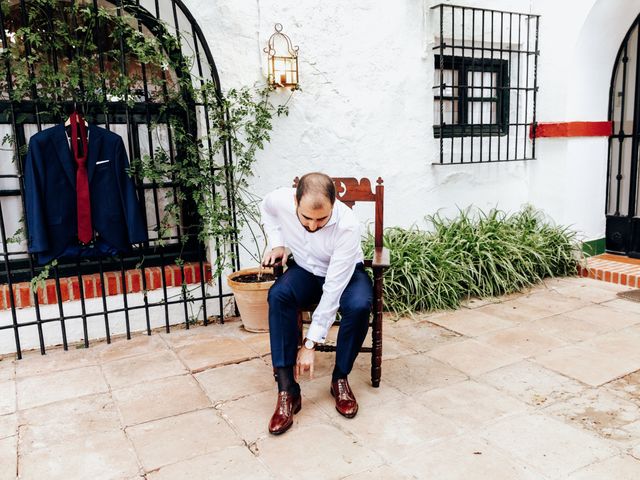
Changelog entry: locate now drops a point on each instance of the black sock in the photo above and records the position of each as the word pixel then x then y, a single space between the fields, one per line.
pixel 337 374
pixel 286 382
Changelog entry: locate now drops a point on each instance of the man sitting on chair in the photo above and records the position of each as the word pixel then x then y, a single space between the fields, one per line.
pixel 327 268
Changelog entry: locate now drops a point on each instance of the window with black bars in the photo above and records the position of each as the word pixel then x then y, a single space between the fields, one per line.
pixel 485 84
pixel 173 256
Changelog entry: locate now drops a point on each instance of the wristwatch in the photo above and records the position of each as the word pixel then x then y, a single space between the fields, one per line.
pixel 309 344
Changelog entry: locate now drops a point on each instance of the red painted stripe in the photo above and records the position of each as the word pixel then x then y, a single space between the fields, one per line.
pixel 572 129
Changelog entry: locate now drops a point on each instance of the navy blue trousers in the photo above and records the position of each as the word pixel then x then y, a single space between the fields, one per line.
pixel 298 287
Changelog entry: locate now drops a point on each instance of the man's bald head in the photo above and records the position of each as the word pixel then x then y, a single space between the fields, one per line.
pixel 318 187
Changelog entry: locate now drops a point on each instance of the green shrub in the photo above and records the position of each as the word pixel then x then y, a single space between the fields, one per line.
pixel 482 254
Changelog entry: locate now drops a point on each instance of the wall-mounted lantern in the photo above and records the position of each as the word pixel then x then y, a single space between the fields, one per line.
pixel 282 60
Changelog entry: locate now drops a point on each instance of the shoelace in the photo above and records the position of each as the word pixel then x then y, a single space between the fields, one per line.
pixel 342 389
pixel 283 403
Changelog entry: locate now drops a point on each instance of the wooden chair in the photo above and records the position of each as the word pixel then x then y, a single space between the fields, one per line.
pixel 349 191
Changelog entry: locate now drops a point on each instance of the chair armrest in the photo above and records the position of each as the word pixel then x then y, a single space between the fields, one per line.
pixel 381 257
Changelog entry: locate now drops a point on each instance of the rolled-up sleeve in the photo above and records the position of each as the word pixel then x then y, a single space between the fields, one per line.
pixel 341 267
pixel 269 214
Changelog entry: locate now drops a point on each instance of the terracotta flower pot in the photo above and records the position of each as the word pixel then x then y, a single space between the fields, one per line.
pixel 251 299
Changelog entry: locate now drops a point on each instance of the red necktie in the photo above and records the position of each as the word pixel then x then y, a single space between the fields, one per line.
pixel 79 134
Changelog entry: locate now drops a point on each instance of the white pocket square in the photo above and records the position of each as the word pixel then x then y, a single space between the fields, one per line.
pixel 102 161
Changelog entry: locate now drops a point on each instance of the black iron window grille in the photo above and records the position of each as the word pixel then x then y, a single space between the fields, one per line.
pixel 485 84
pixel 143 116
pixel 469 108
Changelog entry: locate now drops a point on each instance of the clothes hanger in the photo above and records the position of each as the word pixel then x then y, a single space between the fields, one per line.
pixel 67 122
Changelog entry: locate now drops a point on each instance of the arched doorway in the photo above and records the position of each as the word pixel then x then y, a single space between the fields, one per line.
pixel 141 113
pixel 623 175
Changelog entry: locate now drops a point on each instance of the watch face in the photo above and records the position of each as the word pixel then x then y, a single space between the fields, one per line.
pixel 309 344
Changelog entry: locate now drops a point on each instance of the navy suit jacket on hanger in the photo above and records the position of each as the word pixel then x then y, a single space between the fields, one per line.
pixel 50 193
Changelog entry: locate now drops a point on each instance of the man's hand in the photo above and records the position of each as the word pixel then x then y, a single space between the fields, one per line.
pixel 274 257
pixel 304 362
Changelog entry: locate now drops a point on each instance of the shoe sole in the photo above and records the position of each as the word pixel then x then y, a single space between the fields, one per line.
pixel 280 432
pixel 351 415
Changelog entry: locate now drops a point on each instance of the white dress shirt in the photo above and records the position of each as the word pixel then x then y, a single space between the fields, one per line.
pixel 331 252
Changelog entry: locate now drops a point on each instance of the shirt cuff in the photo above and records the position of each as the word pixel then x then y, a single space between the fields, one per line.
pixel 275 239
pixel 317 333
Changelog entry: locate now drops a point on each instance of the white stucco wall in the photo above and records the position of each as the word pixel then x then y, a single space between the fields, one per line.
pixel 366 105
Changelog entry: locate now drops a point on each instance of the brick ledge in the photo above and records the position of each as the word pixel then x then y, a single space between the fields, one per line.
pixel 70 287
pixel 622 271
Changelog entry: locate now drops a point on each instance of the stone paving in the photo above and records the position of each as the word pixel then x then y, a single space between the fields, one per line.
pixel 539 385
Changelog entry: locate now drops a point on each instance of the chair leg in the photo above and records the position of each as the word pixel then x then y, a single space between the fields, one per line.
pixel 376 333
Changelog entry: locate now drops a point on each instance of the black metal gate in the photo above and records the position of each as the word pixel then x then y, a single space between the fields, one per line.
pixel 143 127
pixel 622 208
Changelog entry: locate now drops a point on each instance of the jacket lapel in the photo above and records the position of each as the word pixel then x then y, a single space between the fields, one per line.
pixel 95 147
pixel 64 154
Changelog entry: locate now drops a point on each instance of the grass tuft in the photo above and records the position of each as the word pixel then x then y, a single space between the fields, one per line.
pixel 475 254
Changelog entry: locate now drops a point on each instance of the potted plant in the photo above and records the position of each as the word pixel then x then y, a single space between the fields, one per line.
pixel 250 288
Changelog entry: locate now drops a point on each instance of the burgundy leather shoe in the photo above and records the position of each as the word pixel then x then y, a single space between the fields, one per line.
pixel 346 403
pixel 282 418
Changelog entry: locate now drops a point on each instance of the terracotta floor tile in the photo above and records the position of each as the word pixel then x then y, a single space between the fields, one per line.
pixel 416 373
pixel 552 302
pixel 55 360
pixel 514 311
pixel 181 437
pixel 340 455
pixel 230 463
pixel 605 316
pixel 259 343
pixel 473 357
pixel 600 412
pixel 623 343
pixel 587 365
pixel 142 368
pixel 149 400
pixel 568 329
pixel 8 458
pixel 7 397
pixel 221 384
pixel 215 352
pixel 522 341
pixel 122 348
pixel 592 283
pixel 627 387
pixel 623 305
pixel 532 383
pixel 463 457
pixel 179 337
pixel 591 293
pixel 7 369
pixel 61 385
pixel 623 467
pixel 393 427
pixel 64 421
pixel 104 456
pixel 470 404
pixel 419 337
pixel 453 406
pixel 544 442
pixel 8 425
pixel 470 322
pixel 250 415
pixel 383 472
